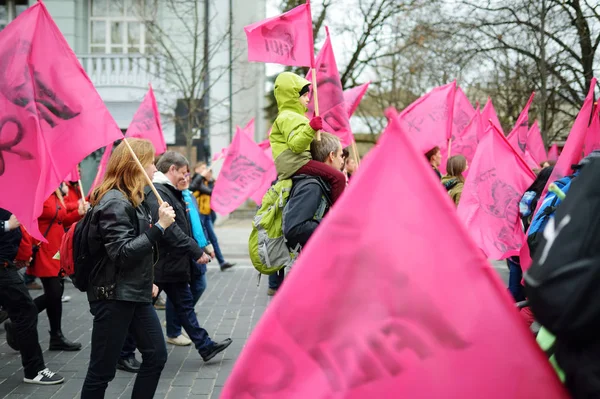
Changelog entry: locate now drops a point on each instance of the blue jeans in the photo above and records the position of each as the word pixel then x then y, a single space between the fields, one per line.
pixel 514 280
pixel 183 304
pixel 276 279
pixel 197 287
pixel 112 322
pixel 212 237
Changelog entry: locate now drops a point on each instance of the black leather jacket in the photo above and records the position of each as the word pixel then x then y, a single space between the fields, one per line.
pixel 122 243
pixel 178 249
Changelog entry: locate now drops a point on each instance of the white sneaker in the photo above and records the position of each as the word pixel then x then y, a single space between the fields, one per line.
pixel 65 298
pixel 185 334
pixel 179 341
pixel 45 377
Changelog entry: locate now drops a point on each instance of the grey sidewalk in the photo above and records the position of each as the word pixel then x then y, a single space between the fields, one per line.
pixel 230 307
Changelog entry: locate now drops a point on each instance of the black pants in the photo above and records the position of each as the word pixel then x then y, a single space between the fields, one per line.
pixel 112 322
pixel 15 299
pixel 51 301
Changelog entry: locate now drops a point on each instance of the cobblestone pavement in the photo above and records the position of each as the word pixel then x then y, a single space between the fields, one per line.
pixel 230 307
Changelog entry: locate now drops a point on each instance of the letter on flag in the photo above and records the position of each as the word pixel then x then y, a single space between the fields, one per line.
pixel 535 144
pixel 285 39
pixel 332 106
pixel 466 142
pixel 146 123
pixel 415 330
pixel 489 204
pixel 353 96
pixel 51 116
pixel 244 173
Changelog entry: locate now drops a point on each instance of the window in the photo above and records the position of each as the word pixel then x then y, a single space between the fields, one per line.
pixel 10 9
pixel 117 26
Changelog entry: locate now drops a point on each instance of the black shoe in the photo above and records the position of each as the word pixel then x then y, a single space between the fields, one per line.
pixel 3 316
pixel 227 265
pixel 129 364
pixel 45 377
pixel 58 342
pixel 213 349
pixel 11 339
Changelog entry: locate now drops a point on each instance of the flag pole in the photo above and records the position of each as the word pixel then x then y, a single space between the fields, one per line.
pixel 314 71
pixel 81 189
pixel 139 164
pixel 355 151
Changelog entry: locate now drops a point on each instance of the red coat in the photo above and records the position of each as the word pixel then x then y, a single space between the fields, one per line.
pixel 45 266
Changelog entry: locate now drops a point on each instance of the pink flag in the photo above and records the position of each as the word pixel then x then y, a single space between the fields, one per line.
pixel 428 121
pixel 244 173
pixel 101 168
pixel 518 136
pixel 73 175
pixel 51 115
pixel 535 144
pixel 285 39
pixel 249 128
pixel 353 96
pixel 146 123
pixel 466 142
pixel 220 154
pixel 462 114
pixel 415 330
pixel 592 138
pixel 553 153
pixel 332 106
pixel 489 204
pixel 265 145
pixel 489 113
pixel 570 155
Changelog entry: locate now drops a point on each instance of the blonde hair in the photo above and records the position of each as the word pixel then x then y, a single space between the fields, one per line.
pixel 123 173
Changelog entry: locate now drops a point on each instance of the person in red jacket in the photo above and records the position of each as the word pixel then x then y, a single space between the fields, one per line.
pixel 55 216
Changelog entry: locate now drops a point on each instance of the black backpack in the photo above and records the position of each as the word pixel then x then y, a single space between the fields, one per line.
pixel 563 284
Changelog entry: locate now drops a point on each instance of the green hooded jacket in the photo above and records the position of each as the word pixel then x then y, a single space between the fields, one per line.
pixel 291 134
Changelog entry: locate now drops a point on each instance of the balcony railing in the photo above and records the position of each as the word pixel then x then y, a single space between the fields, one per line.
pixel 133 70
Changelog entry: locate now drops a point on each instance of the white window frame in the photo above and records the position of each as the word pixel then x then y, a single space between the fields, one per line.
pixel 11 7
pixel 108 20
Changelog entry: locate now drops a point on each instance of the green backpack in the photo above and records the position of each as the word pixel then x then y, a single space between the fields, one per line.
pixel 268 250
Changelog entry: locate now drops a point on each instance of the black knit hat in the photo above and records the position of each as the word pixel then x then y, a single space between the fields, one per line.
pixel 304 90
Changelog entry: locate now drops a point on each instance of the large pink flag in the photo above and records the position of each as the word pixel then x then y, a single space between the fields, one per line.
pixel 332 106
pixel 592 138
pixel 51 116
pixel 101 168
pixel 462 114
pixel 285 39
pixel 489 204
pixel 489 113
pixel 518 136
pixel 244 173
pixel 570 155
pixel 466 142
pixel 415 330
pixel 553 153
pixel 353 96
pixel 535 144
pixel 146 123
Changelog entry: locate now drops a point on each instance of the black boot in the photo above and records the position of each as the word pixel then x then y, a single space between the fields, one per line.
pixel 58 342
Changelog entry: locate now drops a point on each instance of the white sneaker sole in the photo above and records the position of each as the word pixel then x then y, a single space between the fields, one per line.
pixel 31 381
pixel 179 343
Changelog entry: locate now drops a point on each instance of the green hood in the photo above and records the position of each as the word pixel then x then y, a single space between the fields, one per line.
pixel 287 92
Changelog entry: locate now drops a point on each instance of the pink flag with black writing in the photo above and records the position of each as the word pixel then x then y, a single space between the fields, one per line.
pixel 518 136
pixel 51 116
pixel 489 113
pixel 353 96
pixel 553 153
pixel 592 138
pixel 332 107
pixel 286 39
pixel 416 330
pixel 428 121
pixel 462 114
pixel 489 204
pixel 570 155
pixel 101 168
pixel 243 175
pixel 146 123
pixel 466 142
pixel 535 144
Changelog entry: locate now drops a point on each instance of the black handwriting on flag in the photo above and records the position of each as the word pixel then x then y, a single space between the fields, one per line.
pixel 8 145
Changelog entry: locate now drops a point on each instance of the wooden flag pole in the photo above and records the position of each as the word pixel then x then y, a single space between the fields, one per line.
pixel 316 98
pixel 355 151
pixel 81 189
pixel 160 201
